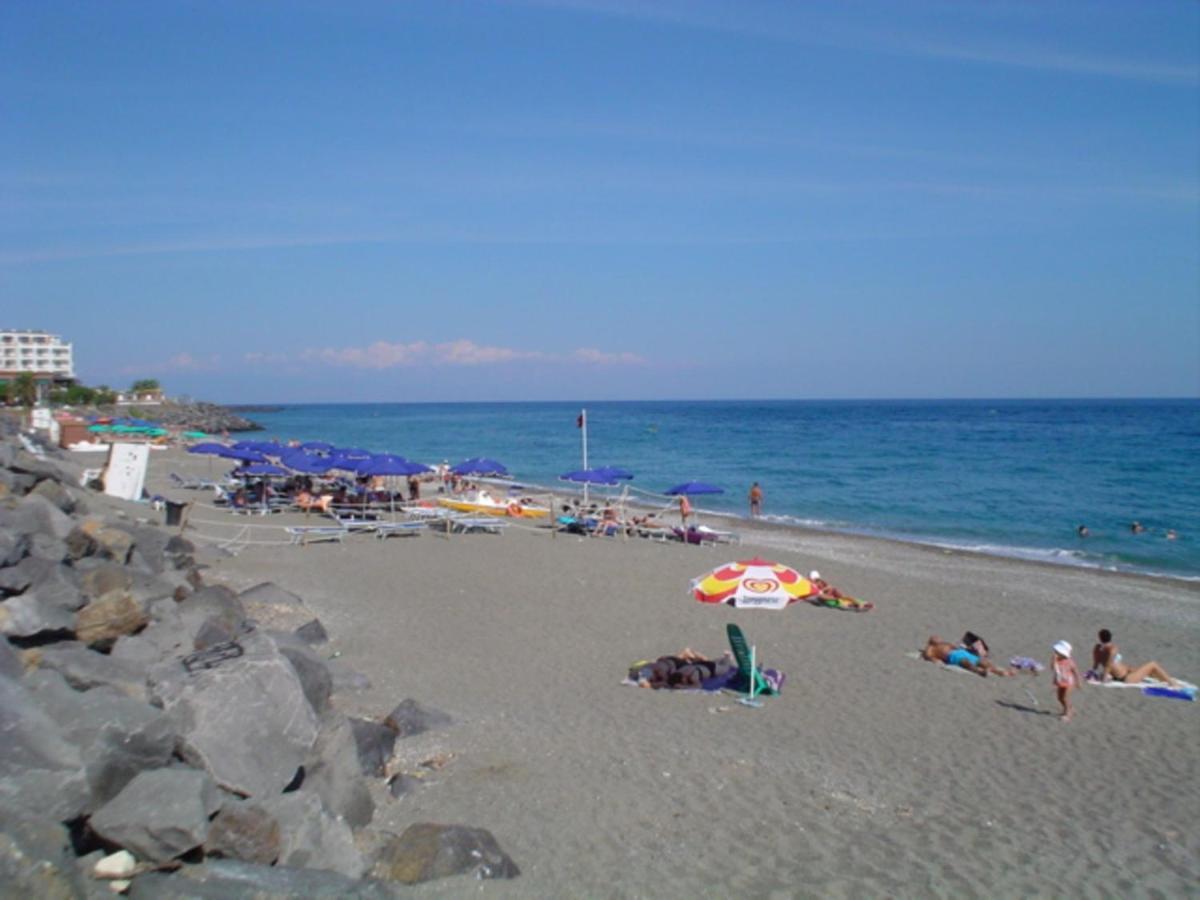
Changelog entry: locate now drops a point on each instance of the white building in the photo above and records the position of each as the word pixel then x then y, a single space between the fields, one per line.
pixel 43 354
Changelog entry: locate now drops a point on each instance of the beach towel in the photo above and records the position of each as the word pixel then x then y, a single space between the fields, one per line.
pixel 657 673
pixel 1026 663
pixel 1184 690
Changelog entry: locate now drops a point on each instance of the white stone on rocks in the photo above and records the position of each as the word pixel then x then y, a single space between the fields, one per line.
pixel 121 864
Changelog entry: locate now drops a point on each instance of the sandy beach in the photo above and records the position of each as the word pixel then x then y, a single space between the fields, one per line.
pixel 873 773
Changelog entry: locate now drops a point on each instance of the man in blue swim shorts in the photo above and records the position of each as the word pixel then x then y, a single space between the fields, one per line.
pixel 938 650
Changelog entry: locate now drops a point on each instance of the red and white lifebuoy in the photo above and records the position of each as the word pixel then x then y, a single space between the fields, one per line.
pixel 514 509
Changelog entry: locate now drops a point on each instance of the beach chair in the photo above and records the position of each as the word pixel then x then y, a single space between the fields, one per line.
pixel 311 534
pixel 354 524
pixel 388 529
pixel 190 484
pixel 474 525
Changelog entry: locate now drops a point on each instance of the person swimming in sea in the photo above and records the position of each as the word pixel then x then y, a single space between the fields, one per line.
pixel 1082 531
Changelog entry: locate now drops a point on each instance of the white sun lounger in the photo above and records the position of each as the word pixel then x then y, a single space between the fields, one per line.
pixel 311 534
pixel 387 529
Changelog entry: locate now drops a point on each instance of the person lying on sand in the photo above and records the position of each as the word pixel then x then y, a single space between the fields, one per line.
pixel 686 670
pixel 938 650
pixel 1107 664
pixel 827 595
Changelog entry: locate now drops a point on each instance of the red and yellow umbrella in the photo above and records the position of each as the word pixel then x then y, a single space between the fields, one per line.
pixel 752 583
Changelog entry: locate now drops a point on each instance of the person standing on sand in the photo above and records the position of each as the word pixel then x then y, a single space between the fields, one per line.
pixel 685 510
pixel 1066 676
pixel 756 499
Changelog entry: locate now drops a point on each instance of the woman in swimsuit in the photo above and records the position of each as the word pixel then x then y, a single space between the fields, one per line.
pixel 1107 663
pixel 938 650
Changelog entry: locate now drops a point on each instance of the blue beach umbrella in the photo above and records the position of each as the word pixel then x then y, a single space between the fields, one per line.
pixel 480 465
pixel 317 446
pixel 589 476
pixel 262 469
pixel 245 455
pixel 309 465
pixel 695 487
pixel 351 453
pixel 615 471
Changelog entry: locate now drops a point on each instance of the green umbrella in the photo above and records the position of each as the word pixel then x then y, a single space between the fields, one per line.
pixel 195 435
pixel 100 428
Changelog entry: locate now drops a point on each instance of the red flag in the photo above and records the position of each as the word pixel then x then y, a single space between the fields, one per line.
pixel 579 421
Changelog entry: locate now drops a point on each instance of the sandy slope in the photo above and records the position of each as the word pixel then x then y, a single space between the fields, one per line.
pixel 873 774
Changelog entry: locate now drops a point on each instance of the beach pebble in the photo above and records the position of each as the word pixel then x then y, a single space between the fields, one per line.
pixel 116 865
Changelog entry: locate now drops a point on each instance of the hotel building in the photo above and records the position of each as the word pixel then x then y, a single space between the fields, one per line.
pixel 45 355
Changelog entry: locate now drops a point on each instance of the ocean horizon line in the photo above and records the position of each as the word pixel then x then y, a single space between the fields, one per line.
pixel 698 400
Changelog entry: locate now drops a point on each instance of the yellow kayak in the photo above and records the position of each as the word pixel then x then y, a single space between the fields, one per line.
pixel 489 506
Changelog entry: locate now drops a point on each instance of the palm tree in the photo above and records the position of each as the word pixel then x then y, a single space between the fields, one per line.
pixel 23 389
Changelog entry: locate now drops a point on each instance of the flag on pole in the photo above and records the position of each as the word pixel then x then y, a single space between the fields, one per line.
pixel 580 420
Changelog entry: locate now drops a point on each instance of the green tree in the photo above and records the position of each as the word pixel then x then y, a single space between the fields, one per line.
pixel 145 384
pixel 104 396
pixel 23 390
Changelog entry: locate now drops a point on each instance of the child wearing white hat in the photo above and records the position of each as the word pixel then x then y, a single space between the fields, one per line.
pixel 1066 676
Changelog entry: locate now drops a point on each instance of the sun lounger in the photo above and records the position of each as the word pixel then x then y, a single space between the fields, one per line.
pixel 310 534
pixel 468 525
pixel 190 484
pixel 387 529
pixel 355 523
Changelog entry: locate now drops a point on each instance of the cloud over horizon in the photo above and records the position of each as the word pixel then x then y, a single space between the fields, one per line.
pixel 461 352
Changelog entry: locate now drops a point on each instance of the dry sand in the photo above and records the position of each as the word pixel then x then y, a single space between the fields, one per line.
pixel 873 774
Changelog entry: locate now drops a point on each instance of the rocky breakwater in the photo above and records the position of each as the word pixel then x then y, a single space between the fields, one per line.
pixel 207 417
pixel 166 737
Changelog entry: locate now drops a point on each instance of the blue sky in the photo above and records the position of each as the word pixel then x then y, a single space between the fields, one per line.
pixel 606 199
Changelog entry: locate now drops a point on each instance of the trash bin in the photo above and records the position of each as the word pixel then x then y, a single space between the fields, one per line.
pixel 175 512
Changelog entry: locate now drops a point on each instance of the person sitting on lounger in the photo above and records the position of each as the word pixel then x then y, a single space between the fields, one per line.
pixel 307 502
pixel 938 650
pixel 1108 665
pixel 608 523
pixel 825 594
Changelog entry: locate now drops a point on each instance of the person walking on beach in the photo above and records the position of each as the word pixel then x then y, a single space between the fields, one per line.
pixel 1066 676
pixel 756 499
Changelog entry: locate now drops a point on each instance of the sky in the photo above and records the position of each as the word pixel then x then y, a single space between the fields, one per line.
pixel 323 200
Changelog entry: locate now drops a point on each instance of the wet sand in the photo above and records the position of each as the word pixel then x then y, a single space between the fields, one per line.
pixel 872 774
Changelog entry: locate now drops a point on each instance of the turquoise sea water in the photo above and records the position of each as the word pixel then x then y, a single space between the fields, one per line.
pixel 1005 477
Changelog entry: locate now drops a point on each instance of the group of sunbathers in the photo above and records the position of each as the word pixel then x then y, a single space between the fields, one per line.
pixel 688 669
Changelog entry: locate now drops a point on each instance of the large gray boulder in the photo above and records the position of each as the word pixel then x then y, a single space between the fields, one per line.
pixel 47 547
pixel 214 601
pixel 160 814
pixel 17 578
pixel 37 515
pixel 99 576
pixel 313 839
pixel 56 585
pixel 119 737
pixel 101 622
pixel 57 494
pixel 26 615
pixel 332 772
pixel 313 674
pixel 85 669
pixel 10 663
pixel 36 860
pixel 273 607
pixel 245 720
pixel 41 771
pixel 149 547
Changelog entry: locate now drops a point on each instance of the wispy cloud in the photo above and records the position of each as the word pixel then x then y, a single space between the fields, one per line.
pixel 180 362
pixel 812 31
pixel 462 352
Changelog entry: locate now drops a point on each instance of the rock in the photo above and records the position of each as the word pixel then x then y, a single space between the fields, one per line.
pixel 410 718
pixel 138 650
pixel 216 602
pixel 179 546
pixel 313 674
pixel 272 607
pixel 17 578
pixel 399 785
pixel 227 879
pixel 79 544
pixel 311 838
pixel 227 717
pixel 119 737
pixel 56 494
pixel 99 577
pixel 26 616
pixel 85 669
pixel 160 814
pixel 41 772
pixel 211 633
pixel 36 514
pixel 107 618
pixel 57 586
pixel 333 773
pixel 36 860
pixel 426 851
pixel 121 864
pixel 149 547
pixel 312 632
pixel 10 662
pixel 244 831
pixel 44 546
pixel 13 546
pixel 375 745
pixel 113 543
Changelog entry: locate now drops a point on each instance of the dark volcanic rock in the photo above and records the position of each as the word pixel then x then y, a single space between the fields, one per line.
pixel 227 879
pixel 244 831
pixel 313 839
pixel 313 674
pixel 85 669
pixel 36 860
pixel 246 720
pixel 312 632
pixel 426 851
pixel 160 814
pixel 375 744
pixel 410 718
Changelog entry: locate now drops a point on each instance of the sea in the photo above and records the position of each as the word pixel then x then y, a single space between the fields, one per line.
pixel 1005 477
